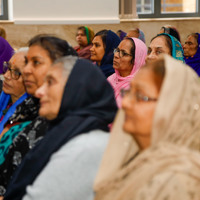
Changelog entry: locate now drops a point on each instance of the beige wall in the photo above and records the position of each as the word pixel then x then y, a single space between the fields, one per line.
pixel 18 35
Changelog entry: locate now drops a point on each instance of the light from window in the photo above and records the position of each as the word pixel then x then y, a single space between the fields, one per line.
pixel 178 6
pixel 156 8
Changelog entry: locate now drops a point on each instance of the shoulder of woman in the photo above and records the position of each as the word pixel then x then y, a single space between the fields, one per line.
pixel 170 185
pixel 89 145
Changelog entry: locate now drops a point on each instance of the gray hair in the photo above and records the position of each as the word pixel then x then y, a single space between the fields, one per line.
pixel 67 63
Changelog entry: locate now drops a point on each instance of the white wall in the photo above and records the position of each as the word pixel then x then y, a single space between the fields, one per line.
pixel 65 11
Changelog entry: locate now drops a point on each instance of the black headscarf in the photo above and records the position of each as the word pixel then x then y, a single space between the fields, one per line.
pixel 88 103
pixel 112 42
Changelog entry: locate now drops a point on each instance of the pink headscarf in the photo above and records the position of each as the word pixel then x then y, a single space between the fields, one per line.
pixel 118 82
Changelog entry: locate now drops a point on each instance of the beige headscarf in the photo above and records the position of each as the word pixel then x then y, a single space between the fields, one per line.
pixel 170 168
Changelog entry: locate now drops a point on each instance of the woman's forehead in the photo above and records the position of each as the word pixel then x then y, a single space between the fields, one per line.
pixel 159 41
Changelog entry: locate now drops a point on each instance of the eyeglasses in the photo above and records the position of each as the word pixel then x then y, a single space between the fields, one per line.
pixel 15 74
pixel 122 53
pixel 137 96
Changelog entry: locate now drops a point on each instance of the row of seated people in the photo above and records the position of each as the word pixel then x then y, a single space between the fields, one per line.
pixel 58 109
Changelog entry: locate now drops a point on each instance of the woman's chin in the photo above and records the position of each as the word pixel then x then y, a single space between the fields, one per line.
pixel 43 113
pixel 127 128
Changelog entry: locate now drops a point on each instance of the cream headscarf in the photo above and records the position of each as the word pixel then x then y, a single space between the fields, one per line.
pixel 170 168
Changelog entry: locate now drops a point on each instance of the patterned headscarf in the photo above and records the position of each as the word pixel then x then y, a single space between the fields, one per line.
pixel 177 50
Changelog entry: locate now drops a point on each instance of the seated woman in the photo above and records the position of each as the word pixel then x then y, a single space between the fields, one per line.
pixel 163 116
pixel 164 43
pixel 129 56
pixel 6 52
pixel 2 32
pixel 84 39
pixel 121 34
pixel 191 50
pixel 137 33
pixel 43 51
pixel 13 94
pixel 171 30
pixel 72 148
pixel 103 44
pixel 13 87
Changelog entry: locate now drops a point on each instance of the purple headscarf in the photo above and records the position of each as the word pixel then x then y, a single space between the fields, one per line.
pixel 194 62
pixel 6 52
pixel 122 34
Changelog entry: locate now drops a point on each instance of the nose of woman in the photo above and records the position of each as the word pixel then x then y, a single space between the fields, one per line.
pixel 40 91
pixel 7 75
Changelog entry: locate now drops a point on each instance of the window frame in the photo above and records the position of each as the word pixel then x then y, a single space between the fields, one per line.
pixel 157 12
pixel 5 10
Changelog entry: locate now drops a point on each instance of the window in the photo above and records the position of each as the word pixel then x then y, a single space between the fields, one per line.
pixel 144 6
pixel 159 8
pixel 3 9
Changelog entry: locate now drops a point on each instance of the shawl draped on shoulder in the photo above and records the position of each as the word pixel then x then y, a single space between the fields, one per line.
pixel 170 167
pixel 4 98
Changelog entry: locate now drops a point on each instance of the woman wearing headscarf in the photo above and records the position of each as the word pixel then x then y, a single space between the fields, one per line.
pixel 76 138
pixel 6 52
pixel 171 30
pixel 3 32
pixel 84 38
pixel 13 94
pixel 103 44
pixel 129 56
pixel 13 87
pixel 167 165
pixel 121 34
pixel 191 50
pixel 137 33
pixel 43 51
pixel 164 43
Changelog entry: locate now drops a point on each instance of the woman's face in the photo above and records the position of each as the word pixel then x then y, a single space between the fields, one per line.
pixel 51 92
pixel 81 38
pixel 11 86
pixel 97 50
pixel 123 64
pixel 38 63
pixel 190 47
pixel 139 111
pixel 157 46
